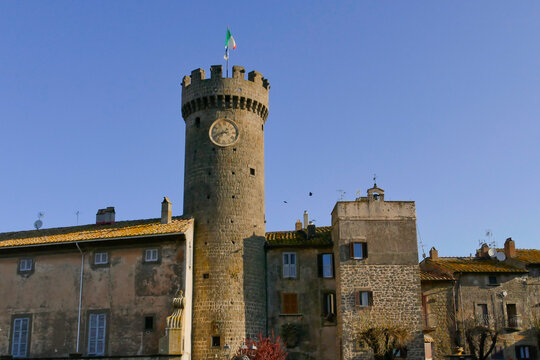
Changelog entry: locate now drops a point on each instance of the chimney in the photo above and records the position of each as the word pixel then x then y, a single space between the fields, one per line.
pixel 510 248
pixel 310 230
pixel 433 253
pixel 298 225
pixel 306 219
pixel 483 251
pixel 166 211
pixel 105 216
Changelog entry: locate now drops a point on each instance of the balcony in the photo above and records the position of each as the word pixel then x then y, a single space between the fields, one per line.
pixel 514 322
pixel 484 320
pixel 430 322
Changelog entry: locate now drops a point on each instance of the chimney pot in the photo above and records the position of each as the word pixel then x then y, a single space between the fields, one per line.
pixel 306 219
pixel 166 211
pixel 510 248
pixel 105 216
pixel 298 225
pixel 433 253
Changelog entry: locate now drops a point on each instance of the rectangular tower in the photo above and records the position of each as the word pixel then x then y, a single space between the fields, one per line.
pixel 377 273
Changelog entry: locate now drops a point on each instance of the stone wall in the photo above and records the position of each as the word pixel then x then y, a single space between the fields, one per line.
pixel 440 318
pixel 316 334
pixel 127 289
pixel 389 273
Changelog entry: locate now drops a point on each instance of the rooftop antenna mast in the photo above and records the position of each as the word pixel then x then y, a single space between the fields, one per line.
pixel 77 213
pixel 341 194
pixel 374 180
pixel 421 243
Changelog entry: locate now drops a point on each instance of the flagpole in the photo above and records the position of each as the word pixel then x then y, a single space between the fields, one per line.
pixel 227 62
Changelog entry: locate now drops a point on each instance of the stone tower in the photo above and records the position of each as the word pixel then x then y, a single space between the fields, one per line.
pixel 224 192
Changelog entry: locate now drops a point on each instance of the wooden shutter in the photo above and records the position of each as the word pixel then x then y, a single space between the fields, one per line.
pixel 290 303
pixel 320 264
pixel 351 250
pixel 370 298
pixel 364 250
pixel 357 298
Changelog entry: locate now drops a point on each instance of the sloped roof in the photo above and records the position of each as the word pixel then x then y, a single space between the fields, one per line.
pixel 433 276
pixel 322 238
pixel 118 229
pixel 527 256
pixel 472 265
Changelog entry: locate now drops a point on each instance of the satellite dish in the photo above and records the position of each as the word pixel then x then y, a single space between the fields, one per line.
pixel 38 224
pixel 492 253
pixel 501 256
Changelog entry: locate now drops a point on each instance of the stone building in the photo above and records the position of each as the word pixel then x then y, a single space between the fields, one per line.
pixel 194 287
pixel 500 292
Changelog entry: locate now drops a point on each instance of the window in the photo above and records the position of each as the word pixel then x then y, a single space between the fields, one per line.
pixel 363 298
pixel 492 280
pixel 400 353
pixel 326 265
pixel 482 314
pixel 25 265
pixel 151 255
pixel 524 352
pixel 101 258
pixel 216 341
pixel 20 332
pixel 149 323
pixel 289 303
pixel 358 250
pixel 329 307
pixel 252 171
pixel 289 265
pixel 97 325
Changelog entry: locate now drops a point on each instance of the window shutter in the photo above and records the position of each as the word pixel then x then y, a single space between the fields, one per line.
pixel 357 298
pixel 320 264
pixel 364 250
pixel 370 298
pixel 290 303
pixel 333 267
pixel 351 250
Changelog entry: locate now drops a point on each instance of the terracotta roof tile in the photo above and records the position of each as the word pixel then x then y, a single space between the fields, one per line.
pixel 119 229
pixel 322 238
pixel 467 265
pixel 528 256
pixel 432 276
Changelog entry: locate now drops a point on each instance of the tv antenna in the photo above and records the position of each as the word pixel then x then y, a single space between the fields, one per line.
pixel 38 223
pixel 77 213
pixel 341 194
pixel 374 180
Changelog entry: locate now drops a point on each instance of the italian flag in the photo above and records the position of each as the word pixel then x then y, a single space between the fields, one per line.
pixel 229 42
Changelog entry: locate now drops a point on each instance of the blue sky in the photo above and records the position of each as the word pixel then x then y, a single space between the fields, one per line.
pixel 439 98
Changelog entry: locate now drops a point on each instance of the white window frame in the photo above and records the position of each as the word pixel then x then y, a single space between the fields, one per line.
pixel 26 264
pixel 330 303
pixel 290 261
pixel 101 258
pixel 328 269
pixel 97 331
pixel 19 341
pixel 151 255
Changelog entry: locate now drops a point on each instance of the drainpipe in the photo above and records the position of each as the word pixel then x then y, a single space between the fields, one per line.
pixel 80 296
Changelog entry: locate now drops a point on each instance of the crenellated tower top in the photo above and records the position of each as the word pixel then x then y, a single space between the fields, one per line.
pixel 199 93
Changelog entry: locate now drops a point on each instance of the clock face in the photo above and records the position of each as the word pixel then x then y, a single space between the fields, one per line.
pixel 223 132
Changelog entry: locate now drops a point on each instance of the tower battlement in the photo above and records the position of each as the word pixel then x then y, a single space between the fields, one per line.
pixel 218 92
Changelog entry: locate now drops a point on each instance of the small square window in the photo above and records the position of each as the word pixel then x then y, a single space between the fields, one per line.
pixel 151 255
pixel 26 265
pixel 492 280
pixel 358 250
pixel 101 258
pixel 252 171
pixel 363 298
pixel 216 341
pixel 148 323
